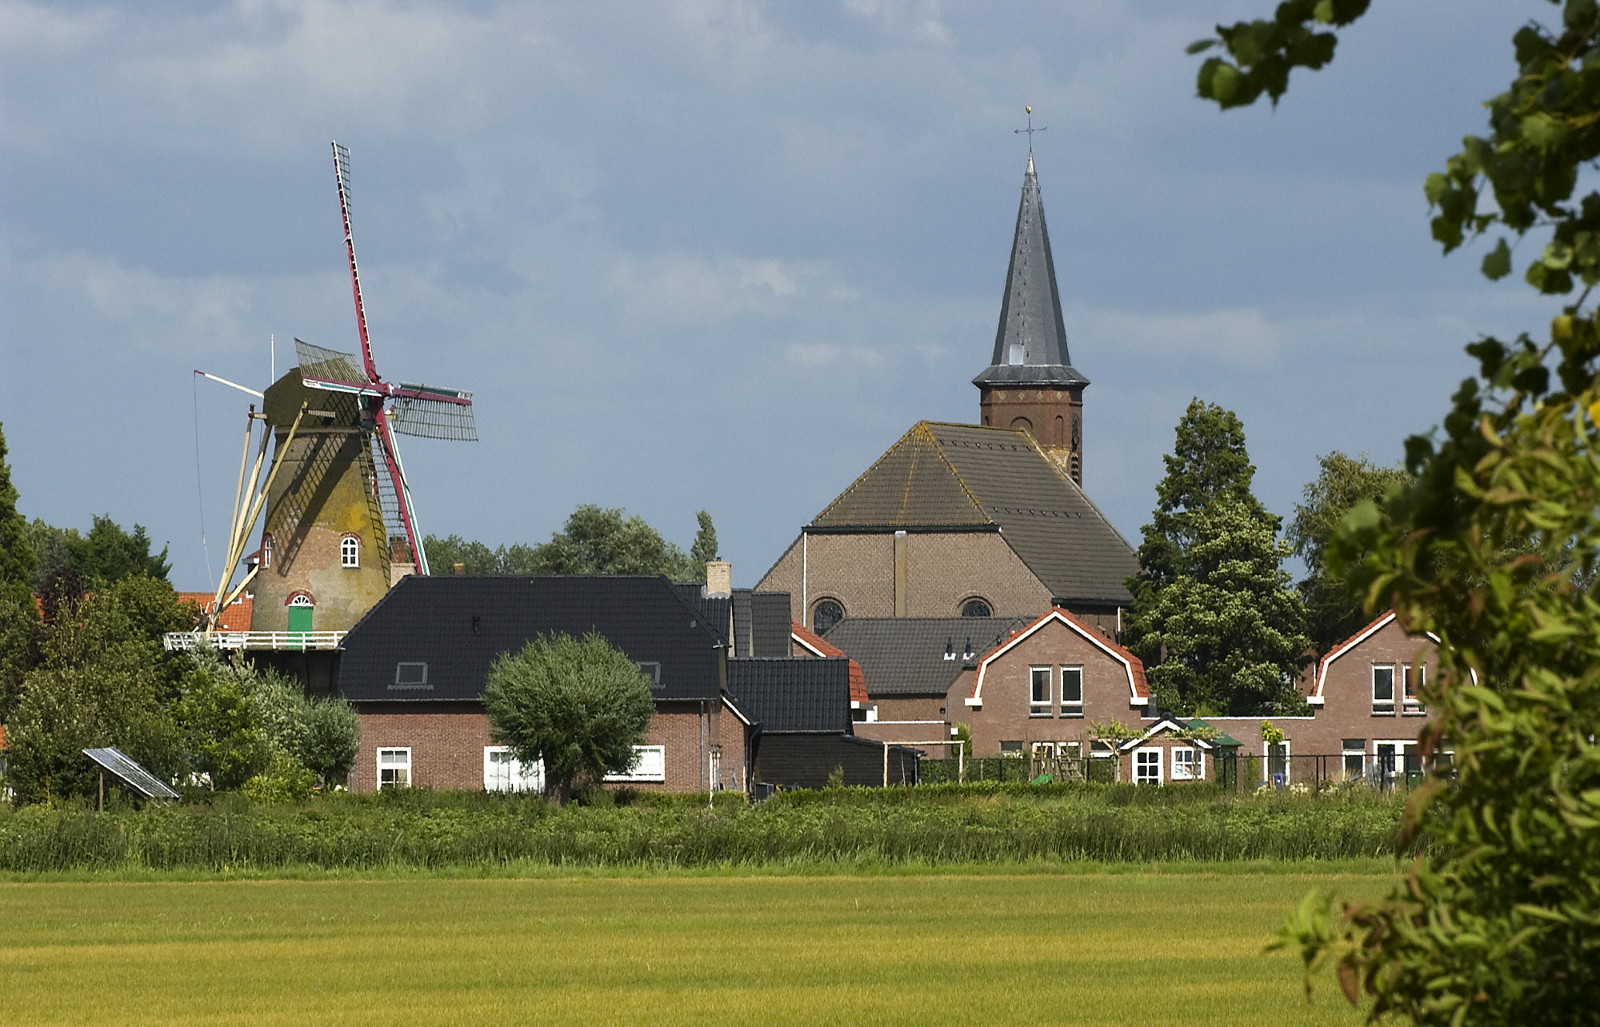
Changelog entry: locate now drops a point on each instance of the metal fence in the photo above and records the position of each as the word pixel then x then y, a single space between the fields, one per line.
pixel 1301 771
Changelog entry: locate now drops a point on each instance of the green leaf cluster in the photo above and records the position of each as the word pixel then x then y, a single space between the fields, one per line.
pixel 17 558
pixel 579 705
pixel 1494 549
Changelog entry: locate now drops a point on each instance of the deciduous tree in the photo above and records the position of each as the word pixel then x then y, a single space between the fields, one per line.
pixel 1334 607
pixel 580 705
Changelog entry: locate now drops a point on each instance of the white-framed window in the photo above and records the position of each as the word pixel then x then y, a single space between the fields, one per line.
pixel 1147 766
pixel 1354 751
pixel 1412 681
pixel 350 551
pixel 503 772
pixel 1072 691
pixel 1039 691
pixel 1275 766
pixel 1188 764
pixel 1011 748
pixel 649 764
pixel 394 768
pixel 1382 688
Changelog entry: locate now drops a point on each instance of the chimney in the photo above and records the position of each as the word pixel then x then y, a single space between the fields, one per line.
pixel 719 578
pixel 458 568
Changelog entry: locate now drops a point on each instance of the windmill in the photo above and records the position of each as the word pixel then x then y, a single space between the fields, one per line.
pixel 339 520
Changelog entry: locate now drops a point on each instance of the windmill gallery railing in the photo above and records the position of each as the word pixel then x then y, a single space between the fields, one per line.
pixel 293 641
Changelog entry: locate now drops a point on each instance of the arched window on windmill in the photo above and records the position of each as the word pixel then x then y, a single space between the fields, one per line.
pixel 350 550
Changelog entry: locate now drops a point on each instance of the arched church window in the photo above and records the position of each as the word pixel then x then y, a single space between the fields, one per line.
pixel 977 606
pixel 825 615
pixel 350 551
pixel 1023 423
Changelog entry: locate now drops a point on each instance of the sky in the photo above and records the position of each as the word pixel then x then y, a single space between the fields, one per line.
pixel 712 254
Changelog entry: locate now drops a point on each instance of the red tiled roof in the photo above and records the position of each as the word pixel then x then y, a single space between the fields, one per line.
pixel 235 616
pixel 819 645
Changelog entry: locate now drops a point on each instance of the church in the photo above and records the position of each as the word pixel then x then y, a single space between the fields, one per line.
pixel 976 520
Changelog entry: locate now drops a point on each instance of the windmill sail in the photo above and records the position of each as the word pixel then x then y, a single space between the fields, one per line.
pixel 432 413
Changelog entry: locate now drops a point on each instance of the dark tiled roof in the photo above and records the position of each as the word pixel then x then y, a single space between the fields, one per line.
pixel 966 477
pixel 1030 345
pixel 906 655
pixel 793 695
pixel 457 625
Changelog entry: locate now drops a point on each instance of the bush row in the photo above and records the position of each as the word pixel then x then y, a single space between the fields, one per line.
pixel 843 826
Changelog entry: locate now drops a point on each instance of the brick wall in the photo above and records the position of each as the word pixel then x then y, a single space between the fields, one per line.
pixel 447 742
pixel 943 570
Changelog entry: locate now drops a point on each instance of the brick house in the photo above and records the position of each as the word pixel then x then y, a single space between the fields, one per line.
pixel 1042 686
pixel 1363 707
pixel 415 665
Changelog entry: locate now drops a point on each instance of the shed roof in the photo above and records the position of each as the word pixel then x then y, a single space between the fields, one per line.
pixel 789 695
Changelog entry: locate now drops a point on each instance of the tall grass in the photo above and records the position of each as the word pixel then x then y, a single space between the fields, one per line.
pixel 939 825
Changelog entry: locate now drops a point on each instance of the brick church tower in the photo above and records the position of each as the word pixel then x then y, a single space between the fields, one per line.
pixel 1031 383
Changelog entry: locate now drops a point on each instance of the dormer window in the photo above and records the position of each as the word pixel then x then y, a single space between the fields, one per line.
pixel 350 551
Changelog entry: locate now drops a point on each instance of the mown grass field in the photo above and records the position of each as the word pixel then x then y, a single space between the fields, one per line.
pixel 1056 945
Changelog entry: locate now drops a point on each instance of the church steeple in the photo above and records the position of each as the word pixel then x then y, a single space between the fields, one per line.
pixel 1031 383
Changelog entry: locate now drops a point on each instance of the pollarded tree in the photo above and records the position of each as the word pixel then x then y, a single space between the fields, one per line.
pixel 1334 606
pixel 579 705
pixel 1228 624
pixel 1494 550
pixel 1211 584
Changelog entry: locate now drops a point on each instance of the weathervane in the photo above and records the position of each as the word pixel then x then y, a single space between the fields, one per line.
pixel 1030 130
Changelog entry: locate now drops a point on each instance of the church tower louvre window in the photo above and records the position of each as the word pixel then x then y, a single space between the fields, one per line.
pixel 1030 383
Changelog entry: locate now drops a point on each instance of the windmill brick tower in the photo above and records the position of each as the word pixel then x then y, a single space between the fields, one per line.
pixel 340 524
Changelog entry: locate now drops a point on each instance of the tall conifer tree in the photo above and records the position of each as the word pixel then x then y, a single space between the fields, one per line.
pixel 1213 615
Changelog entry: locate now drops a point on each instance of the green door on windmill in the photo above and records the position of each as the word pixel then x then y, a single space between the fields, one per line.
pixel 300 618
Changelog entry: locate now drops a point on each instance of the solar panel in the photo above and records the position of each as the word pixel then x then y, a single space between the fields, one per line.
pixel 133 775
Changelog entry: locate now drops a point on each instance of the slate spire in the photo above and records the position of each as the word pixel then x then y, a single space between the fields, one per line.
pixel 1030 346
pixel 1031 385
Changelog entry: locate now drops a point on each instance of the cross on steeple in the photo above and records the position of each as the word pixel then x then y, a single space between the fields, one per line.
pixel 1030 130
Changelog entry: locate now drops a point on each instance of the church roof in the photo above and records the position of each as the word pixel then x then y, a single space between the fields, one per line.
pixel 965 477
pixel 1030 346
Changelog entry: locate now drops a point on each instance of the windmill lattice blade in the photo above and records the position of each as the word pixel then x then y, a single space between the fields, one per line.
pixel 394 525
pixel 434 418
pixel 317 362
